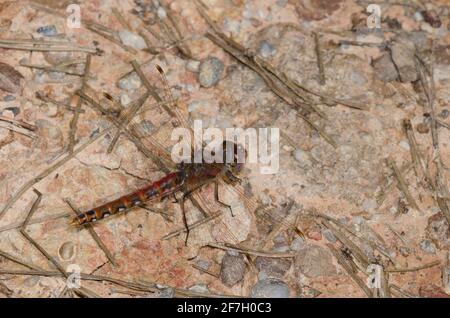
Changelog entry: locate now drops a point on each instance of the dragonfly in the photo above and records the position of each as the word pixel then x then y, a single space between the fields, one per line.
pixel 187 177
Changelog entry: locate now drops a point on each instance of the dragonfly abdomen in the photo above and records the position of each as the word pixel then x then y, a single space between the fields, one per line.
pixel 159 189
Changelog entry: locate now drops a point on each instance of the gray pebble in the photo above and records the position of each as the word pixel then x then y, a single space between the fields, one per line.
pixel 418 16
pixel 273 267
pixel 282 3
pixel 270 288
pixel 9 98
pixel 444 113
pixel 193 66
pixel 427 246
pixel 132 39
pixel 14 110
pixel 384 68
pixel 302 157
pixel 125 99
pixel 314 261
pixel 232 26
pixel 405 251
pixel 211 70
pixel 266 49
pixel 57 76
pixel 130 82
pixel 203 264
pixel 329 235
pixel 405 60
pixel 232 270
pixel 297 244
pixel 166 292
pixel 47 30
pixel 200 288
pixel 162 14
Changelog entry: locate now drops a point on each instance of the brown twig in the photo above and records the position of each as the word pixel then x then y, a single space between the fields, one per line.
pixel 349 269
pixel 319 59
pixel 419 165
pixel 18 261
pixel 43 46
pixel 18 126
pixel 413 269
pixel 356 251
pixel 402 292
pixel 74 121
pixel 41 96
pixel 402 184
pixel 203 270
pixel 108 34
pixel 229 247
pixel 36 220
pixel 51 69
pixel 126 120
pixel 120 18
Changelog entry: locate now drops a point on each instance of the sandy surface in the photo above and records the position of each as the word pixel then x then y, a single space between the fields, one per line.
pixel 352 183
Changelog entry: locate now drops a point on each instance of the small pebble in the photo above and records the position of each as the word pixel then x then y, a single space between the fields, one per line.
pixel 418 16
pixel 369 205
pixel 7 113
pixel 272 267
pixel 131 39
pixel 125 99
pixel 423 128
pixel 302 157
pixel 444 113
pixel 193 66
pixel 282 3
pixel 232 26
pixel 9 98
pixel 384 68
pixel 404 144
pixel 51 110
pixel 405 251
pixel 266 49
pixel 270 288
pixel 329 236
pixel 297 244
pixel 48 30
pixel 162 14
pixel 427 246
pixel 199 288
pixel 130 82
pixel 57 76
pixel 203 264
pixel 232 270
pixel 314 235
pixel 211 70
pixel 15 110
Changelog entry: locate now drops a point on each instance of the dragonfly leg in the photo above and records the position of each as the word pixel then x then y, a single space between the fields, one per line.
pixel 198 206
pixel 216 197
pixel 183 210
pixel 175 200
pixel 232 177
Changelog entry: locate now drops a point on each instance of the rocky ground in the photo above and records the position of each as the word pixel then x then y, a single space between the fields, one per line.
pixel 360 206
